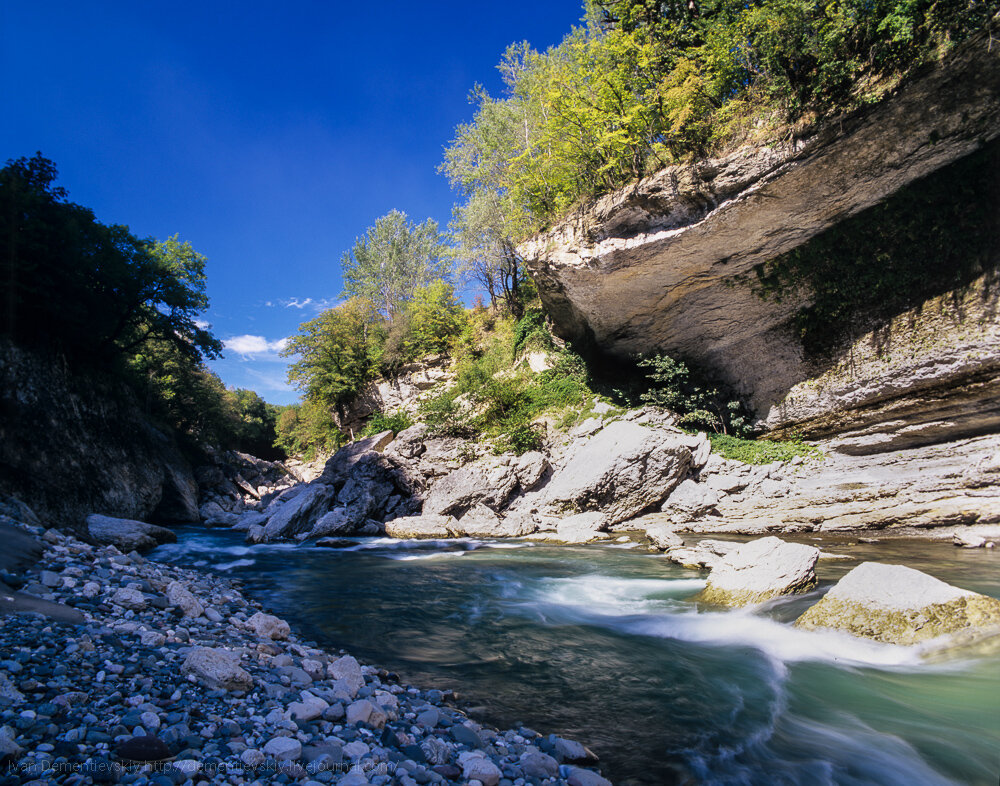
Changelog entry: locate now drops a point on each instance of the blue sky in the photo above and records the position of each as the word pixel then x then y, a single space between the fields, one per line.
pixel 269 135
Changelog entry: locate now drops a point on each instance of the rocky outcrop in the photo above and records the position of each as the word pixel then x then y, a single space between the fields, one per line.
pixel 661 265
pixel 491 482
pixel 232 483
pixel 956 483
pixel 621 471
pixel 929 375
pixel 74 445
pixel 400 393
pixel 359 489
pixel 759 571
pixel 127 534
pixel 899 605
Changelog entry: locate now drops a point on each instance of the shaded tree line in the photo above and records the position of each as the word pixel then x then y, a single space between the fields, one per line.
pixel 109 302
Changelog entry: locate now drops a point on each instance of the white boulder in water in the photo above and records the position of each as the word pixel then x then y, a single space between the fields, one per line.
pixel 760 570
pixel 426 526
pixel 900 605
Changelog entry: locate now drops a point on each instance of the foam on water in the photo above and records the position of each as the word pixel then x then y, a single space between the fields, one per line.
pixel 239 563
pixel 658 608
pixel 434 555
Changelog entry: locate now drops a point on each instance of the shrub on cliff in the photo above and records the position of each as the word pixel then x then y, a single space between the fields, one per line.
pixel 698 403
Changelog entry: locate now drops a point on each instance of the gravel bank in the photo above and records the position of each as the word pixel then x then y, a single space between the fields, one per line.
pixel 174 677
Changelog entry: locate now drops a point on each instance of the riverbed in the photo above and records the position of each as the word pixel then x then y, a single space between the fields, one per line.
pixel 601 643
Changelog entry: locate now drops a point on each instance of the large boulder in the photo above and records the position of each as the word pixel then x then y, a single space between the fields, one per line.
pixel 622 470
pixel 760 570
pixel 293 516
pixel 900 605
pixel 127 534
pixel 491 481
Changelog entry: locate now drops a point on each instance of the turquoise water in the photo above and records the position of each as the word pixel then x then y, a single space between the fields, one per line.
pixel 601 644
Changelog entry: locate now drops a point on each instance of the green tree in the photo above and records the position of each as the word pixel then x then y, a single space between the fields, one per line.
pixel 335 354
pixel 255 421
pixel 303 429
pixel 392 259
pixel 92 292
pixel 436 318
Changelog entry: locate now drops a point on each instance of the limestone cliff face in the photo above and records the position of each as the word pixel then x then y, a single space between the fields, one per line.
pixel 662 265
pixel 73 445
pixel 928 375
pixel 400 393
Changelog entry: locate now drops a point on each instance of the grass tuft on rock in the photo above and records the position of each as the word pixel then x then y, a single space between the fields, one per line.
pixel 760 451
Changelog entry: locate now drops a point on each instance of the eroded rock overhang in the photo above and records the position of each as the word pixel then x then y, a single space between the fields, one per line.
pixel 659 265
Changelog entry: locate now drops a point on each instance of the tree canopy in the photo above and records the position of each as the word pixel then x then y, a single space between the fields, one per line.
pixel 90 291
pixel 110 302
pixel 645 83
pixel 392 259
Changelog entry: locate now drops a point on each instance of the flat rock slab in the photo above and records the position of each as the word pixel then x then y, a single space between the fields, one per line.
pixel 900 605
pixel 12 602
pixel 20 550
pixel 127 534
pixel 759 571
pixel 427 526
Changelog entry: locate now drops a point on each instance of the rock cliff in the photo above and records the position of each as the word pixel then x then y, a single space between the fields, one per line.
pixel 78 445
pixel 663 265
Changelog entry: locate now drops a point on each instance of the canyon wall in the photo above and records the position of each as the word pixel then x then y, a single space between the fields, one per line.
pixel 73 445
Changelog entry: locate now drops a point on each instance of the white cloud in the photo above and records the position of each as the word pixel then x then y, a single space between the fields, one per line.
pixel 315 305
pixel 201 324
pixel 255 347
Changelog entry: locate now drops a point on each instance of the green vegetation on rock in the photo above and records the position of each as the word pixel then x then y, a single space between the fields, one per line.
pixel 936 235
pixel 760 451
pixel 493 398
pixel 642 84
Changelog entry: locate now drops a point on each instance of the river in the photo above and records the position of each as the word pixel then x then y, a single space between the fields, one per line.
pixel 601 643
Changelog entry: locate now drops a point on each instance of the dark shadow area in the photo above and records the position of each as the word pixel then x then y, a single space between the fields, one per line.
pixel 934 236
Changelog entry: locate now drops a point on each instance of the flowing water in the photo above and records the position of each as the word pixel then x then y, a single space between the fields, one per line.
pixel 601 644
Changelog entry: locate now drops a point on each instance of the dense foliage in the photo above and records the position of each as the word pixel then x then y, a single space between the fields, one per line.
pixel 933 236
pixel 108 302
pixel 644 83
pixel 493 399
pixel 93 292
